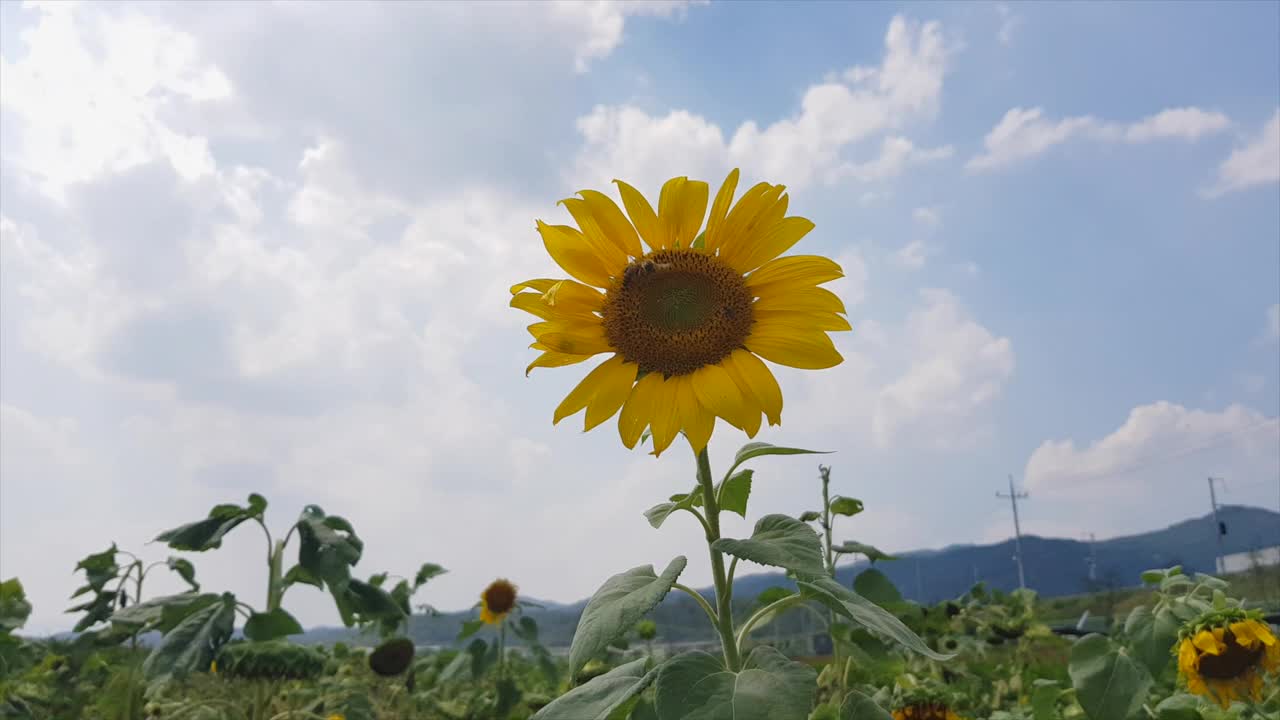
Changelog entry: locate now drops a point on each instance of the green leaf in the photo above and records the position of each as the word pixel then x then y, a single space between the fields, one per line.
pixel 469 628
pixel 14 606
pixel 1044 700
pixel 100 568
pixel 876 587
pixel 162 613
pixel 1151 577
pixel 193 644
pixel 1178 707
pixel 1152 635
pixel 758 449
pixel 368 602
pixel 207 534
pixel 185 570
pixel 873 553
pixel 278 623
pixel 482 656
pixel 867 614
pixel 771 595
pixel 857 706
pixel 736 490
pixel 508 697
pixel 603 697
pixel 779 541
pixel 299 574
pixel 1109 684
pixel 328 548
pixel 257 505
pixel 846 506
pixel 810 515
pixel 697 686
pixel 617 606
pixel 425 573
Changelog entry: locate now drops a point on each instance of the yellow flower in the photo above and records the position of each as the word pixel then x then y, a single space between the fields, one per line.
pixel 213 667
pixel 686 322
pixel 1227 662
pixel 496 601
pixel 335 716
pixel 925 711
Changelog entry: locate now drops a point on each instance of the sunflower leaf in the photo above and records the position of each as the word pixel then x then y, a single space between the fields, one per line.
pixel 1152 634
pixel 779 541
pixel 857 706
pixel 758 449
pixel 859 609
pixel 271 625
pixel 604 697
pixel 697 686
pixel 1109 684
pixel 735 491
pixel 873 553
pixel 617 606
pixel 846 506
pixel 193 643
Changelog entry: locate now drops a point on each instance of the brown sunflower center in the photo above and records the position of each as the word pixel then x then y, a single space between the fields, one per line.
pixel 1232 663
pixel 500 597
pixel 674 311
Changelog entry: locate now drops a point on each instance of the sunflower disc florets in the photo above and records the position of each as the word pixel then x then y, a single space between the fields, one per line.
pixel 1225 655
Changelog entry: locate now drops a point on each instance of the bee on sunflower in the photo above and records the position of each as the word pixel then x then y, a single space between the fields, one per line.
pixel 687 321
pixel 1224 655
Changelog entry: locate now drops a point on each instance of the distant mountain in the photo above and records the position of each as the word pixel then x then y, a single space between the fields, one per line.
pixel 1053 567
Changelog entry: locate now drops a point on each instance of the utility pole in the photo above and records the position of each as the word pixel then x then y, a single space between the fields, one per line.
pixel 1014 497
pixel 1093 560
pixel 1218 528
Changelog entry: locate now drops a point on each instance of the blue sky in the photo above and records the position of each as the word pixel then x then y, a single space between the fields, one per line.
pixel 232 266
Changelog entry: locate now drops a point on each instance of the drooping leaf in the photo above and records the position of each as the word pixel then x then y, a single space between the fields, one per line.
pixel 509 695
pixel 299 574
pixel 377 579
pixel 873 554
pixel 604 697
pixel 779 541
pixel 162 613
pixel 867 614
pixel 368 603
pixel 846 506
pixel 100 568
pixel 659 513
pixel 185 570
pixel 736 490
pixel 425 573
pixel 328 549
pixel 1152 636
pixel 483 656
pixel 1109 684
pixel 207 534
pixel 277 623
pixel 810 515
pixel 469 628
pixel 617 606
pixel 192 645
pixel 857 706
pixel 877 587
pixel 697 686
pixel 759 449
pixel 14 606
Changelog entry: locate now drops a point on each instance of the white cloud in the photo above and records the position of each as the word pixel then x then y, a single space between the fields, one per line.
pixel 600 22
pixel 911 256
pixel 627 142
pixel 1024 133
pixel 927 217
pixel 958 368
pixel 1162 450
pixel 1257 163
pixel 1009 22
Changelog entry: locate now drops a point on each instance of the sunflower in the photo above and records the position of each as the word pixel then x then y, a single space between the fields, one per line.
pixel 925 711
pixel 686 319
pixel 496 601
pixel 1224 655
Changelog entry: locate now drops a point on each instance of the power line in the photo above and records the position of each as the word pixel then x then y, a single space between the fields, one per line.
pixel 1014 496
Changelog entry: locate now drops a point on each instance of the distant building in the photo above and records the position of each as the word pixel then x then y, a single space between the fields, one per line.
pixel 1244 561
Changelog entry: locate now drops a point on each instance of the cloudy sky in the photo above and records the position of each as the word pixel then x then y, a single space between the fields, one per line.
pixel 266 247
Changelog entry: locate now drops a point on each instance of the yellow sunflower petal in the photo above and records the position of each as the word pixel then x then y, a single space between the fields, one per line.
pixel 793 271
pixel 1208 644
pixel 805 350
pixel 573 296
pixel 804 299
pixel 665 421
pixel 744 218
pixel 612 252
pixel 637 411
pixel 720 210
pixel 551 358
pixel 572 252
pixel 825 321
pixel 613 392
pixel 697 421
pixel 537 305
pixel 753 376
pixel 576 343
pixel 717 392
pixel 613 222
pixel 580 396
pixel 682 205
pixel 540 284
pixel 1243 632
pixel 1188 658
pixel 642 215
pixel 751 237
pixel 776 240
pixel 1262 632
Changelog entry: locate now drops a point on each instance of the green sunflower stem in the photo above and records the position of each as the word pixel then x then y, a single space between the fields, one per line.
pixel 724 592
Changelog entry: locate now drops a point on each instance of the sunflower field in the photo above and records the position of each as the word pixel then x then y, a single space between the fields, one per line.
pixel 685 313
